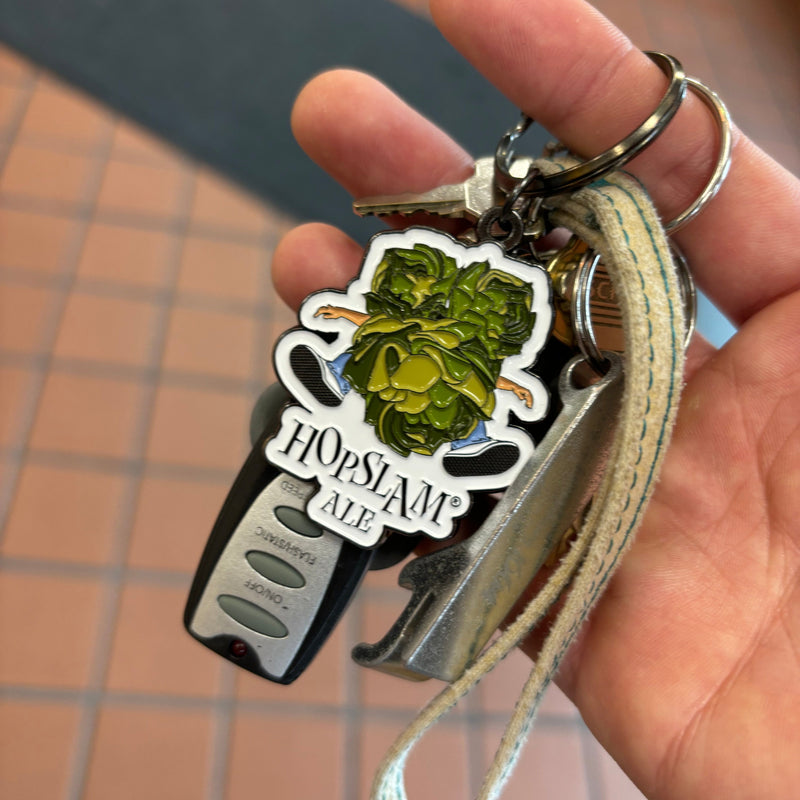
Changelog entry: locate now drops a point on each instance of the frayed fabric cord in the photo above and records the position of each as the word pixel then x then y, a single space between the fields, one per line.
pixel 615 217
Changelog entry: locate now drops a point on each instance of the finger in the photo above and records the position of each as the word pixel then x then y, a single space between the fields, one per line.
pixel 570 69
pixel 385 147
pixel 313 257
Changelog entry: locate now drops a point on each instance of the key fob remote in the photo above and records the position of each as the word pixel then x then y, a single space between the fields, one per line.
pixel 271 584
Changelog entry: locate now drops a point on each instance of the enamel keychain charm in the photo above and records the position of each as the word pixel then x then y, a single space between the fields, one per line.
pixel 446 369
pixel 406 411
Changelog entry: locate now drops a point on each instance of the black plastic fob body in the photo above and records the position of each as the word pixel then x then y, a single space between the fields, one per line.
pixel 271 584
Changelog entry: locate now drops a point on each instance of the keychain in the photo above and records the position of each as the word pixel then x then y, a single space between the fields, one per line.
pixel 447 368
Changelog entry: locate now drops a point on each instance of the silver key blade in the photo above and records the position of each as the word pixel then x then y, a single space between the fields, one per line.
pixel 466 200
pixel 462 593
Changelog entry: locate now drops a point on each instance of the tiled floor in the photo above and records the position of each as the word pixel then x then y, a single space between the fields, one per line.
pixel 136 323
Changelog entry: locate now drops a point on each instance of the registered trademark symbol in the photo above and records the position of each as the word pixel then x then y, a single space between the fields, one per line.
pixel 455 502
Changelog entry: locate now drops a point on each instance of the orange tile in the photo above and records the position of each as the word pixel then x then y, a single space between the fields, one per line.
pixel 550 765
pixel 25 314
pixel 16 387
pixel 132 141
pixel 60 113
pixel 436 769
pixel 126 255
pixel 202 428
pixel 150 752
pixel 321 684
pixel 10 99
pixel 77 522
pixel 36 242
pixel 13 66
pixel 498 691
pixel 46 174
pixel 145 189
pixel 379 690
pixel 285 757
pixel 36 742
pixel 97 416
pixel 209 343
pixel 107 329
pixel 219 204
pixel 222 269
pixel 173 521
pixel 152 653
pixel 32 611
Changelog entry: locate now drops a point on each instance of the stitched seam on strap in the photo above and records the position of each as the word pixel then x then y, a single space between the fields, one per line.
pixel 597 587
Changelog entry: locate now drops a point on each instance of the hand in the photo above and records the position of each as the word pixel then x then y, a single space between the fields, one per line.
pixel 334 312
pixel 520 391
pixel 688 671
pixel 328 312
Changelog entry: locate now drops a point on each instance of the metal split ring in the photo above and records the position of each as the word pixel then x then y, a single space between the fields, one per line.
pixel 723 120
pixel 508 220
pixel 616 156
pixel 581 306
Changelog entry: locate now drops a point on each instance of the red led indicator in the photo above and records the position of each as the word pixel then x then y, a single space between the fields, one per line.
pixel 238 648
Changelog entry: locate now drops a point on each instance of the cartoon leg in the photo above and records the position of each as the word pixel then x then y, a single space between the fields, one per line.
pixel 322 378
pixel 336 366
pixel 479 455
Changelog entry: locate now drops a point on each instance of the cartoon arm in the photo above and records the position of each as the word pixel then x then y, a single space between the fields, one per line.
pixel 335 312
pixel 520 391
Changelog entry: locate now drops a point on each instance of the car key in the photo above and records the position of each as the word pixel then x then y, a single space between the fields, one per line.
pixel 271 584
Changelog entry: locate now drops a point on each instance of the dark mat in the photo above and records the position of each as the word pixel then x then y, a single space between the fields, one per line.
pixel 218 77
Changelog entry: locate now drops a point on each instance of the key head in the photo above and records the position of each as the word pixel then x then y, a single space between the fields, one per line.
pixel 467 200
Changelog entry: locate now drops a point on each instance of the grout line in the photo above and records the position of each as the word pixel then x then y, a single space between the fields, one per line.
pixel 102 651
pixel 148 376
pixel 17 565
pixel 260 310
pixel 84 737
pixel 83 147
pixel 352 707
pixel 474 732
pixel 157 223
pixel 87 462
pixel 592 771
pixel 65 281
pixel 334 712
pixel 224 713
pixel 13 131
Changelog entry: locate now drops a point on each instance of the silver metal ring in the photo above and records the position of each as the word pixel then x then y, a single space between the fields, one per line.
pixel 688 292
pixel 616 156
pixel 509 222
pixel 723 120
pixel 581 311
pixel 581 306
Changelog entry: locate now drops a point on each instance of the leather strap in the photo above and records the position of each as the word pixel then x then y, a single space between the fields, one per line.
pixel 615 216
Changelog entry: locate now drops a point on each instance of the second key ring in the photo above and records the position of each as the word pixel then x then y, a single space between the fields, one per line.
pixel 616 156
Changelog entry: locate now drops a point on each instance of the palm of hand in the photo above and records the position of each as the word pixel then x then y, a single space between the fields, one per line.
pixel 688 670
pixel 691 661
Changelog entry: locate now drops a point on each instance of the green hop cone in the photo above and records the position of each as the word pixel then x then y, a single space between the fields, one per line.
pixel 498 304
pixel 420 389
pixel 412 282
pixel 428 358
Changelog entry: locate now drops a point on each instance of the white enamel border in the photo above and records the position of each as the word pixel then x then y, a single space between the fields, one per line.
pixel 348 418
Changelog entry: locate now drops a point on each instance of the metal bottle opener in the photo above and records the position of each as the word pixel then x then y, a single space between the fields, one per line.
pixel 462 593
